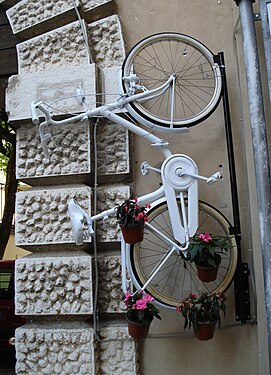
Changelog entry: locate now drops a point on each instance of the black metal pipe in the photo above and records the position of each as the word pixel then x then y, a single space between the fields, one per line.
pixel 241 292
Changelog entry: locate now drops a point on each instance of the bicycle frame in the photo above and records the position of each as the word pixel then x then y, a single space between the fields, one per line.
pixel 179 173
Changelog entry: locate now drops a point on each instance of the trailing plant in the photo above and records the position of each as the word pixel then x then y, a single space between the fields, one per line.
pixel 203 309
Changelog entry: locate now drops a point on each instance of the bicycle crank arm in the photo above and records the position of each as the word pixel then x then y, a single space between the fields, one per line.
pixel 210 180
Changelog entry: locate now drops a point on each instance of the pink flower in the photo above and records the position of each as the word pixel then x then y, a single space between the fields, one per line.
pixel 135 199
pixel 140 215
pixel 127 296
pixel 148 205
pixel 206 237
pixel 193 296
pixel 140 304
pixel 178 308
pixel 147 298
pixel 146 218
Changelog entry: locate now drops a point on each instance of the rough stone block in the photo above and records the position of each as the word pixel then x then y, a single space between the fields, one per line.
pixel 113 150
pixel 64 46
pixel 29 15
pixel 108 197
pixel 118 354
pixel 69 152
pixel 50 348
pixel 56 87
pixel 42 215
pixel 107 42
pixel 110 290
pixel 54 285
pixel 111 78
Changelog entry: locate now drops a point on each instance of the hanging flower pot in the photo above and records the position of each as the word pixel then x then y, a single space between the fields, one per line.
pixel 133 234
pixel 206 274
pixel 138 330
pixel 204 331
pixel 139 313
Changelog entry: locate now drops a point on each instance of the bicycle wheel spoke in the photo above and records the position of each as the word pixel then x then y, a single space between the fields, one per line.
pixel 197 80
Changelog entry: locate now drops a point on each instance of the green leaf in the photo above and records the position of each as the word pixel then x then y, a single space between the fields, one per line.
pixel 211 262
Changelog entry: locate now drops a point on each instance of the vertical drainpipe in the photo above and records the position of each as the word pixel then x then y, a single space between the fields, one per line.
pixel 260 150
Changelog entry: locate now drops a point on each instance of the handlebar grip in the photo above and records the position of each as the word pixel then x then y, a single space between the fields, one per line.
pixel 34 114
pixel 45 150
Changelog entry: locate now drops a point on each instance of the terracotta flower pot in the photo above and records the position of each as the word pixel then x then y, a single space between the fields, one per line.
pixel 207 274
pixel 134 234
pixel 138 330
pixel 204 331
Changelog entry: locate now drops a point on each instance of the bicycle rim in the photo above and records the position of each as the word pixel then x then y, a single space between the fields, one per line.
pixel 197 86
pixel 178 277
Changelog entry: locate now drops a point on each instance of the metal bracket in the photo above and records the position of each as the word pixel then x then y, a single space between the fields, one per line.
pixel 242 300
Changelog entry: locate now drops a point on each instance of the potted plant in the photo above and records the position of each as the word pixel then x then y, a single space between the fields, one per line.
pixel 139 313
pixel 205 251
pixel 203 313
pixel 131 218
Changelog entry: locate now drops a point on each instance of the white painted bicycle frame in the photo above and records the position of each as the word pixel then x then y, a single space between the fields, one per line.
pixel 179 174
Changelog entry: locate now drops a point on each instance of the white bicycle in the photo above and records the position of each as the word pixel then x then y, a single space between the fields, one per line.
pixel 169 82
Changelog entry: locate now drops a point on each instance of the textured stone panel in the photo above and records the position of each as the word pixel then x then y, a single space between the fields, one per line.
pixel 28 13
pixel 69 152
pixel 112 84
pixel 56 87
pixel 118 353
pixel 64 46
pixel 110 291
pixel 42 214
pixel 48 349
pixel 113 149
pixel 54 286
pixel 90 4
pixel 108 197
pixel 107 42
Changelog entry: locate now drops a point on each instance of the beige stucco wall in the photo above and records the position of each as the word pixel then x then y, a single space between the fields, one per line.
pixel 12 251
pixel 236 349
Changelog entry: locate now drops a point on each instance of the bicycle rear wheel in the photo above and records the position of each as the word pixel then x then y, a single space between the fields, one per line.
pixel 178 277
pixel 197 87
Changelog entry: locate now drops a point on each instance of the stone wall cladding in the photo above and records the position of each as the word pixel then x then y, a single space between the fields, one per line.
pixel 69 152
pixel 45 350
pixel 107 42
pixel 61 47
pixel 56 87
pixel 111 85
pixel 28 13
pixel 110 291
pixel 54 286
pixel 108 197
pixel 113 149
pixel 118 353
pixel 42 214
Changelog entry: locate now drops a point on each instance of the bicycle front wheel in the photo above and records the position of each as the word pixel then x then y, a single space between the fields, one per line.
pixel 197 85
pixel 178 277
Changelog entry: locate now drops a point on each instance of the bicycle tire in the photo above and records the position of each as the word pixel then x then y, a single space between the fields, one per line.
pixel 198 80
pixel 178 277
